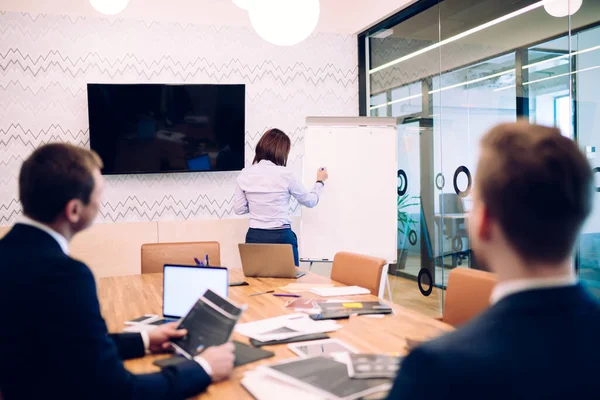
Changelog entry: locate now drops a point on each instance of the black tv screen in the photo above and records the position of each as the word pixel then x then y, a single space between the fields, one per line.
pixel 149 128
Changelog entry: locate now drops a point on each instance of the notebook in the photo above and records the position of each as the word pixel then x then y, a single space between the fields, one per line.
pixel 340 310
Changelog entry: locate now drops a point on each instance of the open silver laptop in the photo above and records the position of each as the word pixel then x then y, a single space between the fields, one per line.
pixel 269 261
pixel 183 285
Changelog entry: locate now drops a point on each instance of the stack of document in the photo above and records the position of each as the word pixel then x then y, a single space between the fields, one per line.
pixel 310 378
pixel 367 366
pixel 266 387
pixel 340 310
pixel 285 327
pixel 309 306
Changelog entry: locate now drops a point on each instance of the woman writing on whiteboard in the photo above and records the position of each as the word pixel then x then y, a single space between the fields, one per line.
pixel 264 191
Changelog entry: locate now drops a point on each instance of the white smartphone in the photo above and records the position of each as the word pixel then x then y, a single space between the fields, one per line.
pixel 145 319
pixel 320 347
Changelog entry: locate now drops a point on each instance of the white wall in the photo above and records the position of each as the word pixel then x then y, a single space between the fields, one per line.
pixel 47 60
pixel 50 50
pixel 337 16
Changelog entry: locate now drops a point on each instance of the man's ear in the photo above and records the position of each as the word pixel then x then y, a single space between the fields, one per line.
pixel 486 224
pixel 73 211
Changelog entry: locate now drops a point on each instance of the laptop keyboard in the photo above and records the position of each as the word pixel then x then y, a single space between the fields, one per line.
pixel 300 274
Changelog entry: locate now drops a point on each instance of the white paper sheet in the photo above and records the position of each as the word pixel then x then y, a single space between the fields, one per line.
pixel 340 291
pixel 284 327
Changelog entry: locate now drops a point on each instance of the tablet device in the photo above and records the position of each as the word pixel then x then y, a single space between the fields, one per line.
pixel 244 354
pixel 209 323
pixel 320 348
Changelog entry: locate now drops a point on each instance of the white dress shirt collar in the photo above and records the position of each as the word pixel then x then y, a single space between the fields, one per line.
pixel 60 239
pixel 505 289
pixel 266 162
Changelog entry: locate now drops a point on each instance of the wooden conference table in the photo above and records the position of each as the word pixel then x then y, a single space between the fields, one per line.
pixel 127 297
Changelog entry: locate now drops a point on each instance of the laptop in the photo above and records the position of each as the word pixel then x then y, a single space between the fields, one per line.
pixel 183 285
pixel 269 261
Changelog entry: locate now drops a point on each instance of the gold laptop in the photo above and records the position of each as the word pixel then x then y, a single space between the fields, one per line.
pixel 269 261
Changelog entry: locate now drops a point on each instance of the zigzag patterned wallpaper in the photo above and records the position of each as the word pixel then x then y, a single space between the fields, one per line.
pixel 46 62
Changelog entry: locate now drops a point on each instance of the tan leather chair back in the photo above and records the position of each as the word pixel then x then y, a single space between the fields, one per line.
pixel 156 255
pixel 356 269
pixel 467 294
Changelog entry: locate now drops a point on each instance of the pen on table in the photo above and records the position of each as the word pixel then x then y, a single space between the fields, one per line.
pixel 286 295
pixel 256 294
pixel 198 262
pixel 207 260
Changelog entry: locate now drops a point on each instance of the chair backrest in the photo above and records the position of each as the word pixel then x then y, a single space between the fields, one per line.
pixel 451 203
pixel 357 269
pixel 467 294
pixel 156 255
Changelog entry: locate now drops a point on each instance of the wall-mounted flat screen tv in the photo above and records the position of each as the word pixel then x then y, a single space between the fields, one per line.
pixel 151 128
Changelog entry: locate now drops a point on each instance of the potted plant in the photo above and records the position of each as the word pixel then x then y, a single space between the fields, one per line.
pixel 405 226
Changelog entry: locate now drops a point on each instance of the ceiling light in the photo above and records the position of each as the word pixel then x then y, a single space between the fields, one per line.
pixel 282 22
pixel 109 7
pixel 561 75
pixel 550 78
pixel 461 35
pixel 244 4
pixel 483 78
pixel 383 34
pixel 562 8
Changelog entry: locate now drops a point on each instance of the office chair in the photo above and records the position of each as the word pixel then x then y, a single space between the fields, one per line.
pixel 467 295
pixel 156 255
pixel 454 229
pixel 360 270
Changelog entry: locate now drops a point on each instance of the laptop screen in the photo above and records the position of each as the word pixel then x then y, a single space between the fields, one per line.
pixel 183 286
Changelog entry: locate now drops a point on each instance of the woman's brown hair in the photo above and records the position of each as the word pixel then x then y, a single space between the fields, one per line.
pixel 273 146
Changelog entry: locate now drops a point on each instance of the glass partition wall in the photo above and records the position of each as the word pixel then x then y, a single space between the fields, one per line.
pixel 451 70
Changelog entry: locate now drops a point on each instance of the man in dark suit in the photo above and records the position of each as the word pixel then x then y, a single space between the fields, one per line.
pixel 54 342
pixel 539 339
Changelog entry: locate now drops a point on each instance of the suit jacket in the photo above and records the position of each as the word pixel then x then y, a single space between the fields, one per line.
pixel 54 342
pixel 538 344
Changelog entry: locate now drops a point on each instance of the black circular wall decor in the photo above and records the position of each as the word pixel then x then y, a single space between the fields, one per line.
pixel 457 244
pixel 440 181
pixel 466 192
pixel 425 273
pixel 403 187
pixel 412 237
pixel 597 169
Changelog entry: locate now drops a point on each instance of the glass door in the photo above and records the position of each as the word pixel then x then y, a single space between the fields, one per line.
pixel 585 76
